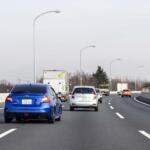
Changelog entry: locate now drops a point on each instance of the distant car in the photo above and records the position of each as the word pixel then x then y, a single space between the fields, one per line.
pixel 126 93
pixel 29 101
pixel 99 95
pixel 84 97
pixel 119 92
pixel 105 92
pixel 63 98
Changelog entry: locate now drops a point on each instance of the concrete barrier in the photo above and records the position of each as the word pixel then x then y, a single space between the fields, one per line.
pixel 133 92
pixel 144 97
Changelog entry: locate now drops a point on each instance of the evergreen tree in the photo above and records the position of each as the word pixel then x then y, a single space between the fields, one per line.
pixel 100 76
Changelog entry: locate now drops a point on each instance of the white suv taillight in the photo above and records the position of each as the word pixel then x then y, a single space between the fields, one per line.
pixel 94 97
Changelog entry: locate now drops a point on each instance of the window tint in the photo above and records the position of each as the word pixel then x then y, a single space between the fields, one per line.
pixel 83 91
pixel 29 89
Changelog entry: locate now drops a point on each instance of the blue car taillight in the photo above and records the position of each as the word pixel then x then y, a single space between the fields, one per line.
pixel 8 99
pixel 45 99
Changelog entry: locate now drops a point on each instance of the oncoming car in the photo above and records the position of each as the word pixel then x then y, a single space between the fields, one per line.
pixel 30 101
pixel 126 93
pixel 84 97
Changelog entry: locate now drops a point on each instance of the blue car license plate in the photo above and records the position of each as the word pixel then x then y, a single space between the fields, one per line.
pixel 26 101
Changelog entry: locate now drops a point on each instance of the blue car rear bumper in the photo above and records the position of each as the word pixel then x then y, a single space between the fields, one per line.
pixel 44 110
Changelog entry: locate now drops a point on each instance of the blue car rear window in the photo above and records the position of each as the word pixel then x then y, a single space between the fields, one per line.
pixel 29 89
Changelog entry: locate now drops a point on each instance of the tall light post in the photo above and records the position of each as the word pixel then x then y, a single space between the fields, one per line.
pixel 138 67
pixel 111 62
pixel 34 40
pixel 81 50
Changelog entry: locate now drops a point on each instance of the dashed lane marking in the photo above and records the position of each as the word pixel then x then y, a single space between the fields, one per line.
pixel 7 132
pixel 111 107
pixel 120 116
pixel 144 133
pixel 109 102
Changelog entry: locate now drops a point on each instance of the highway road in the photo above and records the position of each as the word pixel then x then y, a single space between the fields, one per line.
pixel 120 124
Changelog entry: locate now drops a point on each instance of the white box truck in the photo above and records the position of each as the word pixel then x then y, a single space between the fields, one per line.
pixel 121 87
pixel 59 80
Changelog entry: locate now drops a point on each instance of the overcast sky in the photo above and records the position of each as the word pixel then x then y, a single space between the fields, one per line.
pixel 118 28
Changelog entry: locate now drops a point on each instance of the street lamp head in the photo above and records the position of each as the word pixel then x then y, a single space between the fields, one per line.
pixel 93 46
pixel 118 59
pixel 140 66
pixel 57 11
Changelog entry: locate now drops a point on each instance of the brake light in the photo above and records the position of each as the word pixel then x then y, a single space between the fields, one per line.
pixel 8 99
pixel 45 99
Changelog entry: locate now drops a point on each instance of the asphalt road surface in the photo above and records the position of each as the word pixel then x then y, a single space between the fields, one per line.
pixel 120 124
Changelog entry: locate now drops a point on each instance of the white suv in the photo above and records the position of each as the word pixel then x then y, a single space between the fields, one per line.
pixel 84 97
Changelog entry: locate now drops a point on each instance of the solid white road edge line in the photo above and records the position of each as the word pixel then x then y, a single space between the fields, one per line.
pixel 141 102
pixel 7 132
pixel 145 133
pixel 111 107
pixel 120 116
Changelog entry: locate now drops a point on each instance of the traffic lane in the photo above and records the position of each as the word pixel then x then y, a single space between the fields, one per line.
pixel 81 129
pixel 5 127
pixel 136 113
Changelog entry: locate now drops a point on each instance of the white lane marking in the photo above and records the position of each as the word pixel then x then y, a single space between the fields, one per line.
pixel 145 133
pixel 63 106
pixel 109 102
pixel 7 132
pixel 141 102
pixel 120 116
pixel 111 107
pixel 1 108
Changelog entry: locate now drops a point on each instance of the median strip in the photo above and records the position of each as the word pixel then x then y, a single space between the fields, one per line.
pixel 120 116
pixel 144 133
pixel 7 132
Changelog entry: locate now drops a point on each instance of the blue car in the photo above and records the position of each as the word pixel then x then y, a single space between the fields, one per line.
pixel 32 101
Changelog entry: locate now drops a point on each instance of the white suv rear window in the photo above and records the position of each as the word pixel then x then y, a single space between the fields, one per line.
pixel 83 91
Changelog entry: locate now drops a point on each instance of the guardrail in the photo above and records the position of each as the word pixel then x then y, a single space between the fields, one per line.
pixel 134 92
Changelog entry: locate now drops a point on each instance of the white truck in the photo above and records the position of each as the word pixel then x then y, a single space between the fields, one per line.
pixel 59 80
pixel 121 87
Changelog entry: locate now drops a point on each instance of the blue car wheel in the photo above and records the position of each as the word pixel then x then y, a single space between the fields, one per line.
pixel 51 118
pixel 7 118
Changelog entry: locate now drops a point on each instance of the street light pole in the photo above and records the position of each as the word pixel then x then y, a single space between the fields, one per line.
pixel 81 50
pixel 138 67
pixel 117 59
pixel 34 40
